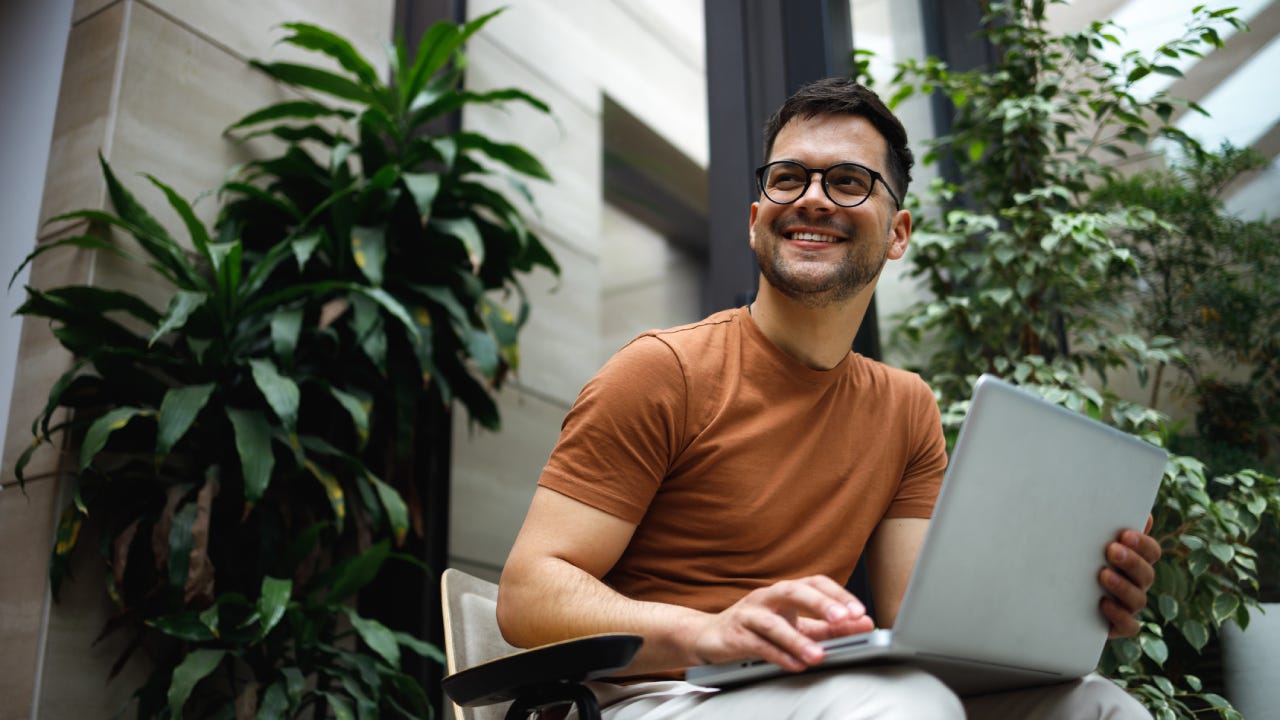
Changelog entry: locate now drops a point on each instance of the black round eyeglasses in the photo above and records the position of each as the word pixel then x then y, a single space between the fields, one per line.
pixel 847 184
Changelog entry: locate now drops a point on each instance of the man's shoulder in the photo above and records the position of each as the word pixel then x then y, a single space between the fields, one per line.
pixel 870 374
pixel 696 337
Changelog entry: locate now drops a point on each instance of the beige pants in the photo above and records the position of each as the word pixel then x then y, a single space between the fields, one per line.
pixel 883 693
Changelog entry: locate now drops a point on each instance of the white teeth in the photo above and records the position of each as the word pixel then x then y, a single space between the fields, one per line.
pixel 814 237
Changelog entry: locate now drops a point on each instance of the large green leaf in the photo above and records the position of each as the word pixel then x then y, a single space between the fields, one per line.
pixel 95 438
pixel 272 603
pixel 275 702
pixel 358 409
pixel 290 110
pixel 227 257
pixel 150 233
pixel 313 78
pixel 483 350
pixel 513 156
pixel 79 321
pixel 504 328
pixel 397 511
pixel 131 211
pixel 281 392
pixel 185 626
pixel 356 572
pixel 286 327
pixel 436 48
pixel 340 706
pixel 180 544
pixel 370 330
pixel 181 306
pixel 376 636
pixel 253 446
pixel 278 203
pixel 83 242
pixel 430 105
pixel 69 525
pixel 336 47
pixel 63 385
pixel 333 492
pixel 369 251
pixel 199 235
pixel 303 246
pixel 424 344
pixel 261 270
pixel 426 650
pixel 178 411
pixel 88 301
pixel 423 188
pixel 463 229
pixel 196 666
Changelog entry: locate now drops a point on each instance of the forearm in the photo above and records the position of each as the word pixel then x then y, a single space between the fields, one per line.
pixel 548 599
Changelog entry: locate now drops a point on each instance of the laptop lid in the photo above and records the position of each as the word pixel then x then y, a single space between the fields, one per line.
pixel 1032 494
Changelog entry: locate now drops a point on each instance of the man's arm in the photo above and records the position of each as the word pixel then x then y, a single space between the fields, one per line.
pixel 891 555
pixel 551 590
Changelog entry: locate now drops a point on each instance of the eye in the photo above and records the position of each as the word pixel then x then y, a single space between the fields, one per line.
pixel 849 178
pixel 786 178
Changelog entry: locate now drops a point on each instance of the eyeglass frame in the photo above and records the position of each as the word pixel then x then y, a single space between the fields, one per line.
pixel 808 180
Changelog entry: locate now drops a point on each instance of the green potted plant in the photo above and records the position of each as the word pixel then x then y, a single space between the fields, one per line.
pixel 245 454
pixel 1022 270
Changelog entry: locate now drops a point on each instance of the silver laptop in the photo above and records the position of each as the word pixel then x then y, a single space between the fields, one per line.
pixel 1004 593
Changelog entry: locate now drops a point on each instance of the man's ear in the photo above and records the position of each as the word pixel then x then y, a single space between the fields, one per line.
pixel 899 235
pixel 751 228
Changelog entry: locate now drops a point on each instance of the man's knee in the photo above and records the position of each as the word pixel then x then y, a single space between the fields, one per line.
pixel 886 693
pixel 1097 697
pixel 1092 697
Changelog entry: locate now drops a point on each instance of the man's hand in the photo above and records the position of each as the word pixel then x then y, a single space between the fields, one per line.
pixel 782 623
pixel 1131 570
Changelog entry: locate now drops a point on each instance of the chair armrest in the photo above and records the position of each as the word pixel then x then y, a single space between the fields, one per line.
pixel 571 661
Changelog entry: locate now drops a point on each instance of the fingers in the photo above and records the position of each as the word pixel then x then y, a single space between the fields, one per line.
pixel 1122 622
pixel 783 622
pixel 1132 557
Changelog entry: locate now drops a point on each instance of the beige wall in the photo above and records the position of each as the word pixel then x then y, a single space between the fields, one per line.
pixel 647 56
pixel 150 85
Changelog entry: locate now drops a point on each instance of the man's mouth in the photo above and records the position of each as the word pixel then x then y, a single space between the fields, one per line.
pixel 812 237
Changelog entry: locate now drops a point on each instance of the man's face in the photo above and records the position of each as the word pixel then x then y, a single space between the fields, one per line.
pixel 812 250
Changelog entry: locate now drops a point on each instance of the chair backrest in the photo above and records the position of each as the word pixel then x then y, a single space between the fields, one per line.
pixel 471 633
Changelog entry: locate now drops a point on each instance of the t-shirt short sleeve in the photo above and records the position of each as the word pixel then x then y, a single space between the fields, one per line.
pixel 622 434
pixel 926 456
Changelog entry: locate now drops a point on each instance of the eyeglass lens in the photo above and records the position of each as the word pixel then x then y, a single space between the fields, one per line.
pixel 846 183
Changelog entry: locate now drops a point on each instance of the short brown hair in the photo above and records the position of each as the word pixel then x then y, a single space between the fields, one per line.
pixel 842 96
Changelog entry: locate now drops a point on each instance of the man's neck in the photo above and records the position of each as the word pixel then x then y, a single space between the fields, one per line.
pixel 817 337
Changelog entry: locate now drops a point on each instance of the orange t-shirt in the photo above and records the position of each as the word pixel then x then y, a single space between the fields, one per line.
pixel 740 466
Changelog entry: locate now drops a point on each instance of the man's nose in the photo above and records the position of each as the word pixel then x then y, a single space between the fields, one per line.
pixel 815 196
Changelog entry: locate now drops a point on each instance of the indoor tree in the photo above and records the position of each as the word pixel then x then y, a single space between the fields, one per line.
pixel 1020 270
pixel 244 457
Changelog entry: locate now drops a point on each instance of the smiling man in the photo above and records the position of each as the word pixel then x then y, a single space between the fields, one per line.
pixel 716 483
